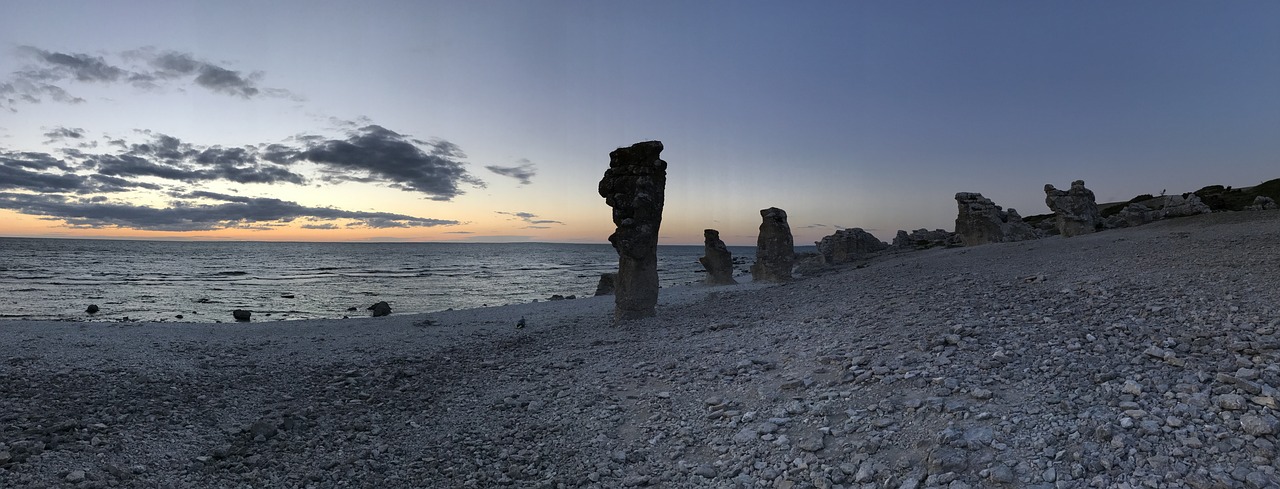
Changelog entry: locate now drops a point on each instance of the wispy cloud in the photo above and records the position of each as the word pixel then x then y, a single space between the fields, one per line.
pixel 529 218
pixel 524 172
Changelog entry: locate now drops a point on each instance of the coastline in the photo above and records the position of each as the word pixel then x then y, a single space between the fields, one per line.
pixel 1105 359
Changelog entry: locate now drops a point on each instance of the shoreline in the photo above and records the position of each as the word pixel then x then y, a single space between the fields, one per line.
pixel 1134 356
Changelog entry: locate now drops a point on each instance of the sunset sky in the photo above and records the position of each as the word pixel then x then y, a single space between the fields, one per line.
pixel 493 120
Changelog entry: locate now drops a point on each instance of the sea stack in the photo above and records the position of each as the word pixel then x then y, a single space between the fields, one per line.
pixel 775 248
pixel 1076 209
pixel 634 186
pixel 718 260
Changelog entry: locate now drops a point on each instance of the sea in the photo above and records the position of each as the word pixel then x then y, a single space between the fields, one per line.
pixel 203 281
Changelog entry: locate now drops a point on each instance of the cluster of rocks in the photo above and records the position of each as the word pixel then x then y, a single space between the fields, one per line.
pixel 849 244
pixel 981 221
pixel 1262 203
pixel 922 239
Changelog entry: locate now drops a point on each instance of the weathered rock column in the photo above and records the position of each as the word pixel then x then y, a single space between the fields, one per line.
pixel 1076 210
pixel 981 221
pixel 718 260
pixel 775 249
pixel 634 186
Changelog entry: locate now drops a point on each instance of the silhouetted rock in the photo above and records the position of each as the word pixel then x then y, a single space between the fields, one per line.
pixel 1262 203
pixel 718 260
pixel 1076 209
pixel 92 309
pixel 848 244
pixel 775 248
pixel 605 287
pixel 241 315
pixel 380 309
pixel 921 239
pixel 980 221
pixel 634 186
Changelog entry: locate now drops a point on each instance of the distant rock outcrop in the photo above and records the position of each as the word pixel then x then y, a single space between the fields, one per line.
pixel 775 248
pixel 717 260
pixel 605 286
pixel 848 245
pixel 1132 215
pixel 921 239
pixel 241 315
pixel 1183 206
pixel 980 221
pixel 1262 203
pixel 1076 209
pixel 635 186
pixel 380 309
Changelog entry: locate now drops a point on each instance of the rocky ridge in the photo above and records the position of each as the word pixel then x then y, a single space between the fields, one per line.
pixel 1088 362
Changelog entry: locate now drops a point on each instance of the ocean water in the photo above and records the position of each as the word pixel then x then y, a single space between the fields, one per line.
pixel 205 281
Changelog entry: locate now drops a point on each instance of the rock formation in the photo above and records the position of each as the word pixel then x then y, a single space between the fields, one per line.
pixel 981 221
pixel 848 245
pixel 921 239
pixel 380 309
pixel 634 186
pixel 775 248
pixel 718 260
pixel 1132 215
pixel 1076 209
pixel 605 286
pixel 1183 206
pixel 1262 203
pixel 241 315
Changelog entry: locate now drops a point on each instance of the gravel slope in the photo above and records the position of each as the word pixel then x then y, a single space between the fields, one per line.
pixel 1143 357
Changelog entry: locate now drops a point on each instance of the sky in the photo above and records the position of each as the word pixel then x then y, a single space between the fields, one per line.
pixel 493 120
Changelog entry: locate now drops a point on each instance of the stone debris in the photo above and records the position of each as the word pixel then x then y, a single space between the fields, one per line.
pixel 946 369
pixel 634 186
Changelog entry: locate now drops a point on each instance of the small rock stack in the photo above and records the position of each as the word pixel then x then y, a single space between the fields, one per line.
pixel 775 248
pixel 718 260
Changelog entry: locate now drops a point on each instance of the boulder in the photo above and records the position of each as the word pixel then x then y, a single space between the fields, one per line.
pixel 605 287
pixel 980 221
pixel 921 239
pixel 1262 203
pixel 717 260
pixel 1131 215
pixel 380 309
pixel 241 315
pixel 775 248
pixel 1183 206
pixel 635 186
pixel 1076 210
pixel 848 244
pixel 92 309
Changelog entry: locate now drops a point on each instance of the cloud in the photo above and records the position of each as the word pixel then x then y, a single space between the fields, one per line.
pixel 376 154
pixel 523 173
pixel 145 68
pixel 529 218
pixel 58 134
pixel 327 225
pixel 229 212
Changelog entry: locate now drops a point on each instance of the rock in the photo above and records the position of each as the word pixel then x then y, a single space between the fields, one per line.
pixel 745 435
pixel 921 239
pixel 76 477
pixel 981 221
pixel 1261 203
pixel 1132 215
pixel 1231 402
pixel 1076 210
pixel 241 315
pixel 848 244
pixel 380 309
pixel 945 460
pixel 775 248
pixel 1183 206
pixel 1257 425
pixel 1001 474
pixel 634 186
pixel 718 260
pixel 92 309
pixel 812 443
pixel 605 286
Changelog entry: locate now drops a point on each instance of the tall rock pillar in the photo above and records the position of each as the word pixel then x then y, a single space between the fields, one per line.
pixel 634 186
pixel 775 248
pixel 1076 209
pixel 718 260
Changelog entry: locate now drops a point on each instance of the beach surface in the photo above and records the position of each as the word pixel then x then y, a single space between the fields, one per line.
pixel 1141 357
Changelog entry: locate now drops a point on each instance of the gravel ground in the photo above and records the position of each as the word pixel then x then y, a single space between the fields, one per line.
pixel 1143 357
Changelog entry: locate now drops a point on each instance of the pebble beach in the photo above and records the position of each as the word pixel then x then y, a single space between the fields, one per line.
pixel 1137 357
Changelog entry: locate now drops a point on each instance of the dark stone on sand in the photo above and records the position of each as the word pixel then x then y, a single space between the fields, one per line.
pixel 380 309
pixel 92 309
pixel 241 314
pixel 352 309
